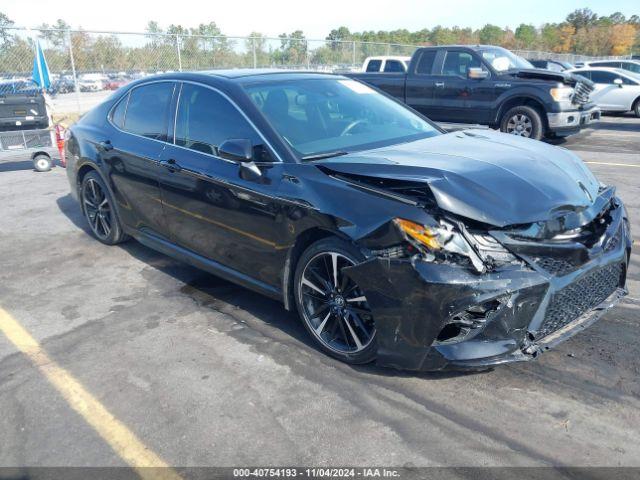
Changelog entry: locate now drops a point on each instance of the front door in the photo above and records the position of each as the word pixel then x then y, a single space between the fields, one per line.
pixel 453 88
pixel 210 208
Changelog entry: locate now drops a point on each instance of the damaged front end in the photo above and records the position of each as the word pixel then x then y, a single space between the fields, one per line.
pixel 459 293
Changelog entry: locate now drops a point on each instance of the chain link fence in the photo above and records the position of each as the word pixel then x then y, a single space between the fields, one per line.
pixel 85 65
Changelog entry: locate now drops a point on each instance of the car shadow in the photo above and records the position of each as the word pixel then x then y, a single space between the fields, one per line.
pixel 16 166
pixel 217 294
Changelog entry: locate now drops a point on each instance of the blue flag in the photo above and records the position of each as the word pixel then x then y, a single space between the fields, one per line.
pixel 40 68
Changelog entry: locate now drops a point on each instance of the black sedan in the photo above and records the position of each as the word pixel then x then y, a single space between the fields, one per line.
pixel 393 240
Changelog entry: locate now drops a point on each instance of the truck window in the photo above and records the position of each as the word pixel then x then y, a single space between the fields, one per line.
pixel 393 66
pixel 374 65
pixel 425 63
pixel 457 64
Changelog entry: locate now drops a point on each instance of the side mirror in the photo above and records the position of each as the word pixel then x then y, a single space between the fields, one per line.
pixel 236 149
pixel 241 150
pixel 619 82
pixel 477 73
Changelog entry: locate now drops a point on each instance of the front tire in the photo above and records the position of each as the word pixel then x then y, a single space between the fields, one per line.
pixel 522 121
pixel 99 210
pixel 332 307
pixel 636 108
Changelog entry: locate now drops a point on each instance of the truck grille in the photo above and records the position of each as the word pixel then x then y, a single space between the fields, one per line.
pixel 578 298
pixel 581 93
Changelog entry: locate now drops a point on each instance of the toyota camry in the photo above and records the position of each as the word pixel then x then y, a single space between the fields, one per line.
pixel 394 240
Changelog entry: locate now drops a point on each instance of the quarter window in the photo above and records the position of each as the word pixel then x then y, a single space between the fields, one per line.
pixel 205 119
pixel 117 116
pixel 148 110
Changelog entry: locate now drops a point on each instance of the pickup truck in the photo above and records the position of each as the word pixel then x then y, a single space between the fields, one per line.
pixel 489 85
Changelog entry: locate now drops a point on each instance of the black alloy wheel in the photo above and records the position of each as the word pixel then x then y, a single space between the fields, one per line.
pixel 333 308
pixel 97 206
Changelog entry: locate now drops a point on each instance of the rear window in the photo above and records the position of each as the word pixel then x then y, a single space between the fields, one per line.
pixel 393 66
pixel 374 65
pixel 148 110
pixel 425 64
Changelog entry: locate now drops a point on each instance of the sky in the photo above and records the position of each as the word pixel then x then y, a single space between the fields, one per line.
pixel 314 18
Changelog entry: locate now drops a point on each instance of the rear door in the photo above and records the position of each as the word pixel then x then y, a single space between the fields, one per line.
pixel 420 84
pixel 132 153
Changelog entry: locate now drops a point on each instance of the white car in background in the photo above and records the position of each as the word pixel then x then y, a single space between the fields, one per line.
pixel 632 66
pixel 91 82
pixel 615 90
pixel 386 64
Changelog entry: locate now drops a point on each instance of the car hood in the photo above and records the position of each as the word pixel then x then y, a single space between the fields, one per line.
pixel 566 78
pixel 487 176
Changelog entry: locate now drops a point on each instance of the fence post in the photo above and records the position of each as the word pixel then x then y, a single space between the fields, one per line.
pixel 179 55
pixel 354 53
pixel 253 48
pixel 308 54
pixel 73 72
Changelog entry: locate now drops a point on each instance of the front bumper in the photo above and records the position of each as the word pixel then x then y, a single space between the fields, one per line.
pixel 573 120
pixel 412 300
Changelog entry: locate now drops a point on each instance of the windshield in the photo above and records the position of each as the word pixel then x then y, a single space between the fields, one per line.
pixel 502 59
pixel 318 116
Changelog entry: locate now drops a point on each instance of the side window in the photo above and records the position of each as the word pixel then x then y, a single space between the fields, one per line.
pixel 610 64
pixel 599 76
pixel 425 63
pixel 393 66
pixel 205 119
pixel 632 67
pixel 586 74
pixel 458 63
pixel 374 65
pixel 148 110
pixel 117 115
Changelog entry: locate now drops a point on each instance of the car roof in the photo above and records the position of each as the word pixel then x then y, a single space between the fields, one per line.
pixel 623 60
pixel 240 75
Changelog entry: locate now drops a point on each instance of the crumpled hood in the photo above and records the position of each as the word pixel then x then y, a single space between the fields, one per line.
pixel 567 78
pixel 484 175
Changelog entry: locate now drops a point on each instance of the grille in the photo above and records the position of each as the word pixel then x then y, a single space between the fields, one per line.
pixel 581 93
pixel 555 266
pixel 578 298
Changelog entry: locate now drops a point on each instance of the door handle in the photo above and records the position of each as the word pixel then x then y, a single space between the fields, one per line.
pixel 106 145
pixel 171 165
pixel 439 84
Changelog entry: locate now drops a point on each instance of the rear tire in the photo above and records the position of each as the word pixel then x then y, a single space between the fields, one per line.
pixel 42 163
pixel 332 307
pixel 99 210
pixel 523 121
pixel 636 108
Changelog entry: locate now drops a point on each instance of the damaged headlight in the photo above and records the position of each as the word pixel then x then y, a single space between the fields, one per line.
pixel 443 242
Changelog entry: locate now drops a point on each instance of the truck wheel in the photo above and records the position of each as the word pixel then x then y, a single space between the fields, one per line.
pixel 42 163
pixel 522 121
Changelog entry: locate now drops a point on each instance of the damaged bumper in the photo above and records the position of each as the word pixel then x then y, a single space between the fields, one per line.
pixel 431 316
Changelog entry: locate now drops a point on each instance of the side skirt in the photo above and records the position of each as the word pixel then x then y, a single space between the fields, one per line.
pixel 203 263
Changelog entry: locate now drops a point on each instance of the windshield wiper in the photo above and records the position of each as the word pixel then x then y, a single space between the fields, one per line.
pixel 319 156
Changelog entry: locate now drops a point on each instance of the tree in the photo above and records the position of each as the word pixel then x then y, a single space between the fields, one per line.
pixel 623 37
pixel 5 34
pixel 582 18
pixel 56 34
pixel 526 36
pixel 491 35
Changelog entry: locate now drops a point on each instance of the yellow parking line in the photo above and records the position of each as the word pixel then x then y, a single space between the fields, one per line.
pixel 615 164
pixel 122 440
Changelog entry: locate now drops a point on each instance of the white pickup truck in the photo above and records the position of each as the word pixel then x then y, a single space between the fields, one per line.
pixel 386 64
